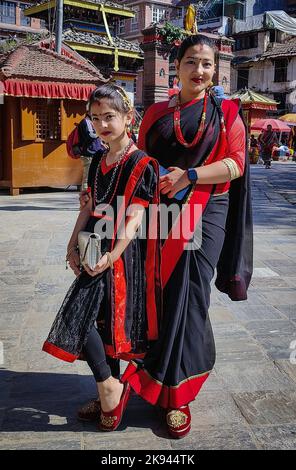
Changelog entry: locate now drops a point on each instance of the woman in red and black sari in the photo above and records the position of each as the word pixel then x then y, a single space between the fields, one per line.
pixel 202 142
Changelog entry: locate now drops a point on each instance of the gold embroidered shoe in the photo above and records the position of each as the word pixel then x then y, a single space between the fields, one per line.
pixel 179 421
pixel 90 411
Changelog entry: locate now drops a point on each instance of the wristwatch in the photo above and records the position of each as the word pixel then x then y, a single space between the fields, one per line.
pixel 192 175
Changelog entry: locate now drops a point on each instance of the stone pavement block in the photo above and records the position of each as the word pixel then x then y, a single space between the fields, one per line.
pixel 279 262
pixel 246 313
pixel 49 305
pixel 276 437
pixel 45 386
pixel 220 314
pixel 269 283
pixel 42 416
pixel 139 415
pixel 250 377
pixel 266 407
pixel 11 340
pixel 288 310
pixel 16 280
pixel 213 383
pixel 40 441
pixel 39 319
pixel 144 440
pixel 265 272
pixel 271 327
pixel 285 271
pixel 219 437
pixel 254 298
pixel 233 343
pixel 291 281
pixel 276 346
pixel 286 367
pixel 279 296
pixel 13 317
pixel 214 409
pixel 37 235
pixel 238 349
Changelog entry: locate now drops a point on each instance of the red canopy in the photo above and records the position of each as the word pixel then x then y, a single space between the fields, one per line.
pixel 276 125
pixel 35 89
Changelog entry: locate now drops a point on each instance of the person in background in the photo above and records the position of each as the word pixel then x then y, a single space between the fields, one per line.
pixel 254 149
pixel 267 139
pixel 90 144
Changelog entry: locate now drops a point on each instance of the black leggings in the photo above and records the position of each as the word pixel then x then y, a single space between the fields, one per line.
pixel 102 366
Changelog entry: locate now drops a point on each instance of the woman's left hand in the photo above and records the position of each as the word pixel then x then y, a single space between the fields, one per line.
pixel 174 181
pixel 102 265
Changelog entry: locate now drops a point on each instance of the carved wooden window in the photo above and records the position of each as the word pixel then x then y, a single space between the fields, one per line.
pixel 48 120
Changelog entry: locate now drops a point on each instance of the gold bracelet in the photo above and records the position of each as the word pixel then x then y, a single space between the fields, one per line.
pixel 110 261
pixel 232 167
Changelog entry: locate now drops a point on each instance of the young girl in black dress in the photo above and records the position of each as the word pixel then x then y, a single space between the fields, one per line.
pixel 112 311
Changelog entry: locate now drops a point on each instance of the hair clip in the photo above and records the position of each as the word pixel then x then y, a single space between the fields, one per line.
pixel 124 96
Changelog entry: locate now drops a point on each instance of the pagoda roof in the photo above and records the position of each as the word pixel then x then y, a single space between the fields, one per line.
pixel 247 96
pixel 90 42
pixel 40 9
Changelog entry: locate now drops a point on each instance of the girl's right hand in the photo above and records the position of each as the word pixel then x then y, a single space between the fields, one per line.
pixel 74 262
pixel 83 199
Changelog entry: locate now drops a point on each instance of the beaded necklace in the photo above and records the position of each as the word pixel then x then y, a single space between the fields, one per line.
pixel 123 156
pixel 177 124
pixel 201 127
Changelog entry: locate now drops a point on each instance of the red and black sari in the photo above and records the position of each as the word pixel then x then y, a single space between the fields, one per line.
pixel 179 362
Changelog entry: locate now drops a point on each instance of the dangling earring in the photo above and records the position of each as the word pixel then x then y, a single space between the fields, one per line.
pixel 209 86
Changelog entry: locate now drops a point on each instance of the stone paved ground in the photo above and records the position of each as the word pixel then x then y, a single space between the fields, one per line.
pixel 249 402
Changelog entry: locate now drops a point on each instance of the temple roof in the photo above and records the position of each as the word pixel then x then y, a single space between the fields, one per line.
pixel 81 37
pixel 42 7
pixel 249 96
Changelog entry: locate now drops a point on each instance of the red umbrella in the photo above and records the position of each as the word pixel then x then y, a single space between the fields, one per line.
pixel 276 125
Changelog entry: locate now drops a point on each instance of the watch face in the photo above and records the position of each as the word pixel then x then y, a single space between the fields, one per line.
pixel 192 175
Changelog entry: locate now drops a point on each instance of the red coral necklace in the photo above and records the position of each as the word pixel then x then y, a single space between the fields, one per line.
pixel 177 124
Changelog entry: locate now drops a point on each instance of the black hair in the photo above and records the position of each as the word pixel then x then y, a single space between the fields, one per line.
pixel 117 97
pixel 194 40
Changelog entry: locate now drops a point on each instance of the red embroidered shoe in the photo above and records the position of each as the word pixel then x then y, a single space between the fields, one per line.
pixel 110 420
pixel 179 421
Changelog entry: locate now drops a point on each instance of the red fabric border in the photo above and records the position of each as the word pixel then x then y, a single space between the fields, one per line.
pixel 138 200
pixel 35 89
pixel 121 342
pixel 124 355
pixel 119 274
pixel 58 352
pixel 157 393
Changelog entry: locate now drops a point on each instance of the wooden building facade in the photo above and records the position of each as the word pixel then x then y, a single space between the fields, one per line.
pixel 43 96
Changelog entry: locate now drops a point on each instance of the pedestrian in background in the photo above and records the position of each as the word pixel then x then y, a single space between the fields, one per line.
pixel 267 140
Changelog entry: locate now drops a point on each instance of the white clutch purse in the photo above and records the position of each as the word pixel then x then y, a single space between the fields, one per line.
pixel 89 245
